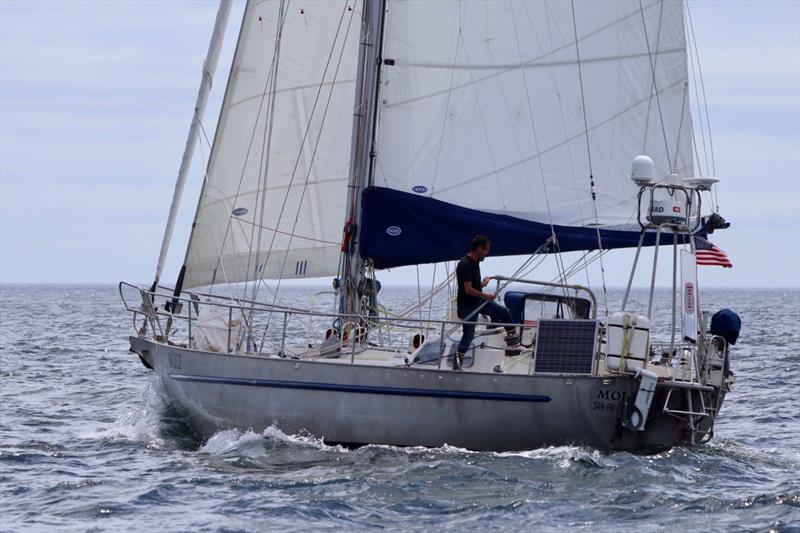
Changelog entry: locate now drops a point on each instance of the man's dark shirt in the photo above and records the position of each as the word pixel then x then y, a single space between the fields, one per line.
pixel 467 270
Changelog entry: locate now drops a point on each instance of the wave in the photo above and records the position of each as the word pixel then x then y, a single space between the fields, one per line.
pixel 237 442
pixel 230 441
pixel 154 421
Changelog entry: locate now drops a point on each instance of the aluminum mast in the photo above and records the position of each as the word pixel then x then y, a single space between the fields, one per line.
pixel 367 81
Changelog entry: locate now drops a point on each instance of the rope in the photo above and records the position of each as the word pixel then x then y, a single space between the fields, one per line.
pixel 589 154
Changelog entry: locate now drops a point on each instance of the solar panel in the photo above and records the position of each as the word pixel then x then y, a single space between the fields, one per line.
pixel 565 346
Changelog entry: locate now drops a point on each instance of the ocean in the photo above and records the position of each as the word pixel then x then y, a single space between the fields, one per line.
pixel 89 442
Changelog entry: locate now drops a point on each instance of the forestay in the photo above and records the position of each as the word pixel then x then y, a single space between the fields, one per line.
pixel 485 106
pixel 273 201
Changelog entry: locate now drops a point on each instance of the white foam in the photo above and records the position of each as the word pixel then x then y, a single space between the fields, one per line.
pixel 229 440
pixel 139 423
pixel 564 456
pixel 232 440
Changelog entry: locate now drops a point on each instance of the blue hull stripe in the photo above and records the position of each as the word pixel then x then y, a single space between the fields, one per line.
pixel 364 389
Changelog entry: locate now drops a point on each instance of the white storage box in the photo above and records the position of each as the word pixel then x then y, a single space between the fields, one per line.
pixel 628 342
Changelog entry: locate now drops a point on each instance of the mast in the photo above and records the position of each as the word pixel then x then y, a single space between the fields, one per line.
pixel 362 154
pixel 209 66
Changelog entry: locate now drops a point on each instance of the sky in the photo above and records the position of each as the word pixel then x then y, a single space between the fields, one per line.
pixel 96 99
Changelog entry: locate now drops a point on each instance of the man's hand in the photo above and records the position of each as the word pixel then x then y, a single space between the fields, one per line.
pixel 489 297
pixel 485 281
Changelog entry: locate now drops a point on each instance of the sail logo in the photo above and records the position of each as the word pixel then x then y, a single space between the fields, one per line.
pixel 239 211
pixel 419 189
pixel 393 231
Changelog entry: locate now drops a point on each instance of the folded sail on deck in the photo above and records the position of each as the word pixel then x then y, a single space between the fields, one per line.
pixel 484 112
pixel 274 198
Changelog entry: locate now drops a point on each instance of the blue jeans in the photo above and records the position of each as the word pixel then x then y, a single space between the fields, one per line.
pixel 495 312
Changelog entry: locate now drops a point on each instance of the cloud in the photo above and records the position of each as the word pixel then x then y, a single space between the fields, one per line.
pixel 96 98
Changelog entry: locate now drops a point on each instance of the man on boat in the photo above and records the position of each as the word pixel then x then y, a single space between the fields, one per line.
pixel 472 301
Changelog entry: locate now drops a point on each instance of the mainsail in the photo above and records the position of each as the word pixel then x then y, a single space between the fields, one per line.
pixel 274 196
pixel 506 117
pixel 516 119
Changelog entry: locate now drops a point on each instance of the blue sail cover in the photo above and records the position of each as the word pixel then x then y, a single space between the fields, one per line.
pixel 399 228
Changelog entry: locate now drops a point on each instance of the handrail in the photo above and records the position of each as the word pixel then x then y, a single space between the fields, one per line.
pixel 302 312
pixel 359 327
pixel 556 285
pixel 209 295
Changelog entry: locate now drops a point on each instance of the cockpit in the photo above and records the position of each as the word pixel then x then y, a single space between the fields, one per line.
pixel 530 307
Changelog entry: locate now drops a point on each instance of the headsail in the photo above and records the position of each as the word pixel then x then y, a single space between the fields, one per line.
pixel 274 197
pixel 486 108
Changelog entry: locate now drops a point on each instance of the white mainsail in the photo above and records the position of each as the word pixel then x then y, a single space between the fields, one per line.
pixel 510 108
pixel 273 200
pixel 482 104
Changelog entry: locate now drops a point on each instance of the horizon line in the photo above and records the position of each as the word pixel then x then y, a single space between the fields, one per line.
pixel 398 285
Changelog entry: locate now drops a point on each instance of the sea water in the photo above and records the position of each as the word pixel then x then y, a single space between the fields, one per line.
pixel 88 441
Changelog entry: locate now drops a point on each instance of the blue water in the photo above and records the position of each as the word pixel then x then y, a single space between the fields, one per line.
pixel 89 442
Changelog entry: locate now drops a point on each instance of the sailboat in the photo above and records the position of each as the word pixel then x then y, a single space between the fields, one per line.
pixel 357 136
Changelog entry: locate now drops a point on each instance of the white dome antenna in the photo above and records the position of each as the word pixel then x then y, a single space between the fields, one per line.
pixel 703 183
pixel 642 170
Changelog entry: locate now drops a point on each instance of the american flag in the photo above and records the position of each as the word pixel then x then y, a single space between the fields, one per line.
pixel 708 254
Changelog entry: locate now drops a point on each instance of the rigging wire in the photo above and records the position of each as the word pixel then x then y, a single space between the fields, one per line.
pixel 263 171
pixel 705 105
pixel 206 161
pixel 589 154
pixel 306 133
pixel 548 14
pixel 653 73
pixel 247 153
pixel 680 124
pixel 653 88
pixel 433 281
pixel 483 123
pixel 559 260
pixel 698 101
pixel 265 159
pixel 419 294
pixel 314 151
pixel 444 118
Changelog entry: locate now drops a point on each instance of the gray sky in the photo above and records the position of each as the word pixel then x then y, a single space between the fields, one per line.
pixel 96 98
